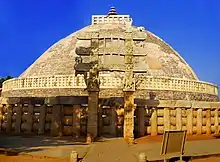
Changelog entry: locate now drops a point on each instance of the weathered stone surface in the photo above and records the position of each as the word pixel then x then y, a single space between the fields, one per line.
pixel 42 119
pixel 56 127
pixel 76 115
pixel 157 57
pixel 129 117
pixel 92 124
pixel 140 95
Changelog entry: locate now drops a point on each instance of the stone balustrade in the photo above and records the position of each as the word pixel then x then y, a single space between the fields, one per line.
pixel 70 81
pixel 118 19
pixel 152 118
pixel 192 116
pixel 177 84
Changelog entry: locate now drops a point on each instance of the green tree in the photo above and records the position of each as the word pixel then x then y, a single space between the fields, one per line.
pixel 4 79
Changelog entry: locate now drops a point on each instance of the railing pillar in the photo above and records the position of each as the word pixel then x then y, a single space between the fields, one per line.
pixel 76 120
pixel 199 121
pixel 178 118
pixel 9 118
pixel 56 128
pixel 18 118
pixel 216 121
pixel 166 118
pixel 154 128
pixel 189 122
pixel 208 123
pixel 30 117
pixel 141 121
pixel 42 121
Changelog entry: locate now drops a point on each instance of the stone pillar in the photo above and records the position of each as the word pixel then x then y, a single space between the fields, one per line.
pixel 100 121
pixel 113 121
pixel 166 119
pixel 129 87
pixel 189 122
pixel 178 118
pixel 199 121
pixel 208 123
pixel 56 125
pixel 154 122
pixel 1 117
pixel 141 121
pixel 129 116
pixel 18 118
pixel 76 120
pixel 216 122
pixel 92 122
pixel 9 118
pixel 30 117
pixel 42 121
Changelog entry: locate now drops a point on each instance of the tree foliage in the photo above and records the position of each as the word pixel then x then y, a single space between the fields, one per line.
pixel 4 79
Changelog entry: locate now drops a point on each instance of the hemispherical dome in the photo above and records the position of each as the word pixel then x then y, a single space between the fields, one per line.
pixel 122 51
pixel 152 55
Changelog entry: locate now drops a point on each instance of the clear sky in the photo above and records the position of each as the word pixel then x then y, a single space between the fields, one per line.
pixel 29 27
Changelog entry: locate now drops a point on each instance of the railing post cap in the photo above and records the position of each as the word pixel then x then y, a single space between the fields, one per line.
pixel 73 152
pixel 142 157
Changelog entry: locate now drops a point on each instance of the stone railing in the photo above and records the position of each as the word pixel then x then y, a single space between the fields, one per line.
pixel 103 19
pixel 58 81
pixel 195 117
pixel 177 84
pixel 70 81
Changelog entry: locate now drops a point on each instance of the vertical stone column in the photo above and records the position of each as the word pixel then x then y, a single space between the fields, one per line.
pixel 129 87
pixel 129 117
pixel 42 121
pixel 166 118
pixel 178 118
pixel 216 121
pixel 92 125
pixel 1 117
pixel 18 118
pixel 56 125
pixel 189 122
pixel 100 122
pixel 113 120
pixel 76 120
pixel 154 122
pixel 208 123
pixel 30 117
pixel 199 121
pixel 141 121
pixel 9 118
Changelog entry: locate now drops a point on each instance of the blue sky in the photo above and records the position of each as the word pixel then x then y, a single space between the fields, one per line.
pixel 29 27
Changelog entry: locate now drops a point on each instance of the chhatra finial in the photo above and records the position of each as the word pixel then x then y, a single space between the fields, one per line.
pixel 112 11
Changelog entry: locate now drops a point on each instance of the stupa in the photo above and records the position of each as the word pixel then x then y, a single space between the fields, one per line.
pixel 168 94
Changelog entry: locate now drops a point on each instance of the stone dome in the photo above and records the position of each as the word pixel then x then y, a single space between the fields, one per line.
pixel 153 55
pixel 158 69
